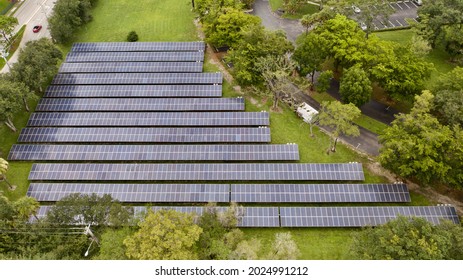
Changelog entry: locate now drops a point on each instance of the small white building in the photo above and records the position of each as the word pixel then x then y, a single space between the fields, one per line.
pixel 306 112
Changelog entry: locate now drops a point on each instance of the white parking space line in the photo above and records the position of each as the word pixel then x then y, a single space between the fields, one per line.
pixel 399 6
pixel 413 4
pixel 391 23
pixel 405 3
pixel 415 19
pixel 399 23
pixel 392 6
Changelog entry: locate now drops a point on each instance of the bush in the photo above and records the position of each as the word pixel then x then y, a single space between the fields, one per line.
pixel 132 37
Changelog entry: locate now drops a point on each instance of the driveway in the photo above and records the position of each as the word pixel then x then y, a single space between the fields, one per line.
pixel 31 12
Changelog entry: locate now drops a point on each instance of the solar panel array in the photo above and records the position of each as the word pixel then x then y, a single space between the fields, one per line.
pixel 134 91
pixel 136 78
pixel 134 56
pixel 124 96
pixel 144 135
pixel 154 152
pixel 196 172
pixel 140 104
pixel 316 216
pixel 125 192
pixel 149 119
pixel 138 46
pixel 133 193
pixel 360 216
pixel 319 193
pixel 132 67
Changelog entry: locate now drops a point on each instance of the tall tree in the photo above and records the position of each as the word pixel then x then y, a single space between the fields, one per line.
pixel 3 170
pixel 37 64
pixel 355 86
pixel 112 244
pixel 26 207
pixel 415 144
pixel 408 238
pixel 441 22
pixel 448 91
pixel 13 98
pixel 164 235
pixel 324 81
pixel 7 25
pixel 284 247
pixel 309 55
pixel 256 42
pixel 276 72
pixel 225 29
pixel 89 209
pixel 339 117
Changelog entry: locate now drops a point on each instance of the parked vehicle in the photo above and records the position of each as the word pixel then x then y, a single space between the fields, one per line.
pixel 37 28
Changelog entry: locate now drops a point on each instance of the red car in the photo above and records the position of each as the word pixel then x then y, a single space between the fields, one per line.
pixel 36 28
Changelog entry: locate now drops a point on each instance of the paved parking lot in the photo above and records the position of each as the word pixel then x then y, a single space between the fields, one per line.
pixel 402 10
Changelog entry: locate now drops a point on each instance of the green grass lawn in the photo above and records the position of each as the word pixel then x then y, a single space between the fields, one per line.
pixel 4 4
pixel 304 10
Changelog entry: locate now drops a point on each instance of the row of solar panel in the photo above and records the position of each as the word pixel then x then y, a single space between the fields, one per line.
pixel 149 119
pixel 154 152
pixel 134 91
pixel 134 56
pixel 315 216
pixel 197 172
pixel 144 135
pixel 137 78
pixel 243 193
pixel 138 46
pixel 132 67
pixel 140 104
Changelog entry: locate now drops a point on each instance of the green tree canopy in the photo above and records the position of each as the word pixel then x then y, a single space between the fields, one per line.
pixel 448 91
pixel 37 64
pixel 225 29
pixel 7 25
pixel 284 247
pixel 339 118
pixel 309 55
pixel 416 144
pixel 407 238
pixel 13 97
pixel 355 86
pixel 164 235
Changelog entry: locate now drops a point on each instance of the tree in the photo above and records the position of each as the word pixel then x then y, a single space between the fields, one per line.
pixel 355 86
pixel 448 91
pixel 7 25
pixel 225 29
pixel 132 36
pixel 246 250
pixel 67 16
pixel 26 207
pixel 408 238
pixel 211 238
pixel 309 55
pixel 324 81
pixel 372 10
pixel 112 244
pixel 316 19
pixel 164 235
pixel 291 6
pixel 89 209
pixel 7 210
pixel 342 39
pixel 416 144
pixel 339 118
pixel 37 64
pixel 256 42
pixel 276 72
pixel 3 170
pixel 441 23
pixel 284 247
pixel 13 96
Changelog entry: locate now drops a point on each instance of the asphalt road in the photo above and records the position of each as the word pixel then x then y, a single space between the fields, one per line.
pixel 31 13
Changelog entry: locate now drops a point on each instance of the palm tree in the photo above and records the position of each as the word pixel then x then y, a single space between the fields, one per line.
pixel 3 169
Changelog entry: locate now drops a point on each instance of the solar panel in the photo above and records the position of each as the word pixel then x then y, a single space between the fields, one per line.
pixel 140 104
pixel 319 193
pixel 360 216
pixel 132 67
pixel 134 56
pixel 197 172
pixel 49 192
pixel 144 135
pixel 153 152
pixel 137 46
pixel 149 119
pixel 134 91
pixel 137 78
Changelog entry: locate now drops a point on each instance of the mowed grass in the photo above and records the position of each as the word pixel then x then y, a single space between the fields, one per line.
pixel 4 4
pixel 153 20
pixel 305 9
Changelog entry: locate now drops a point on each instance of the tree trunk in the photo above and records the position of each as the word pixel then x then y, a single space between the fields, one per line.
pixel 311 132
pixel 333 149
pixel 10 125
pixel 26 105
